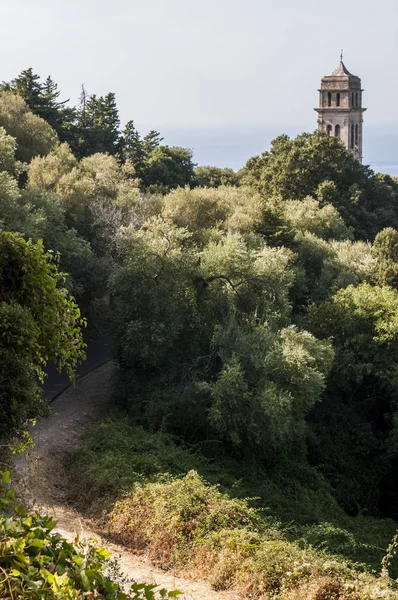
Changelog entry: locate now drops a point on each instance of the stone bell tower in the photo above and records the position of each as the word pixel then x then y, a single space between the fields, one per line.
pixel 340 108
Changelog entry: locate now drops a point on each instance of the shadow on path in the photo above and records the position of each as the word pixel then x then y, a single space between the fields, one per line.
pixel 98 353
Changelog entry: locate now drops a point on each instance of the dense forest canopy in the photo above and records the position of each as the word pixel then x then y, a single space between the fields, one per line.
pixel 256 310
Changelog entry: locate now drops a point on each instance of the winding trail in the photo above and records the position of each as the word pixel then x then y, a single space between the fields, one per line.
pixel 41 478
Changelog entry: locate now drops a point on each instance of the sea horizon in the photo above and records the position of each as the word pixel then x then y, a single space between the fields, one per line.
pixel 231 146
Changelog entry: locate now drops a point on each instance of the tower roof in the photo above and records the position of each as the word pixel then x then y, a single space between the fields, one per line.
pixel 341 77
pixel 341 71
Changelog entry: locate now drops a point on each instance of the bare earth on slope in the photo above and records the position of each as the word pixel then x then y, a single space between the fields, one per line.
pixel 42 477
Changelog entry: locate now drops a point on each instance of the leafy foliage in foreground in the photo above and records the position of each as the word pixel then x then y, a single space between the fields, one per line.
pixel 37 563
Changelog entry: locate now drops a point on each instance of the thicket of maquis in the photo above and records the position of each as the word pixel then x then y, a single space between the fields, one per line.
pixel 254 315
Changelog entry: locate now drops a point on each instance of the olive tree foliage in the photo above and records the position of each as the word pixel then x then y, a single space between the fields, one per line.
pixel 42 217
pixel 199 327
pixel 95 181
pixel 7 152
pixel 323 221
pixel 346 291
pixel 327 266
pixel 268 383
pixel 363 321
pixel 39 214
pixel 9 192
pixel 351 264
pixel 39 322
pixel 97 196
pixel 75 181
pixel 248 281
pixel 33 135
pixel 9 207
pixel 224 208
pixel 386 250
pixel 46 172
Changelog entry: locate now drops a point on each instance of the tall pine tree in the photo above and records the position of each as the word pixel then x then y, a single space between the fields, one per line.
pixel 151 141
pixel 28 86
pixel 98 123
pixel 131 148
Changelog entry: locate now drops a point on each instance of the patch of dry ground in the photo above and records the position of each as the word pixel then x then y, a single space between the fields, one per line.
pixel 42 479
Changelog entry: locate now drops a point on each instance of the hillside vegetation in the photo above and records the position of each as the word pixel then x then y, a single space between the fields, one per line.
pixel 254 319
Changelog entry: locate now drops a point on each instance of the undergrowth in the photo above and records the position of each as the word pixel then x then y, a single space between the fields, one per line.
pixel 188 512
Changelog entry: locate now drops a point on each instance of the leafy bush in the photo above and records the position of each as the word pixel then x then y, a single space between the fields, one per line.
pixel 225 208
pixel 36 563
pixel 117 454
pixel 324 222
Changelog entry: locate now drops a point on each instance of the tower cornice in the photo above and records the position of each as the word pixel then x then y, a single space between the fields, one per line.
pixel 346 89
pixel 340 109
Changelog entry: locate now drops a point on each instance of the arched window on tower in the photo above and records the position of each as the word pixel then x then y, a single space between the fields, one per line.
pixel 356 100
pixel 337 99
pixel 352 141
pixel 356 135
pixel 329 130
pixel 352 99
pixel 329 99
pixel 337 131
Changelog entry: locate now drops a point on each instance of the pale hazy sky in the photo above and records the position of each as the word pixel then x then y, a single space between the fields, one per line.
pixel 185 65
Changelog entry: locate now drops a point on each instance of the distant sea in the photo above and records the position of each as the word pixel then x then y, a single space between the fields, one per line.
pixel 233 146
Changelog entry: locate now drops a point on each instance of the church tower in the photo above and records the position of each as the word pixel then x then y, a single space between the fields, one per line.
pixel 340 108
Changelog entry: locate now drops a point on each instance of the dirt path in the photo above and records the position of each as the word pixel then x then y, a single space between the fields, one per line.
pixel 43 479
